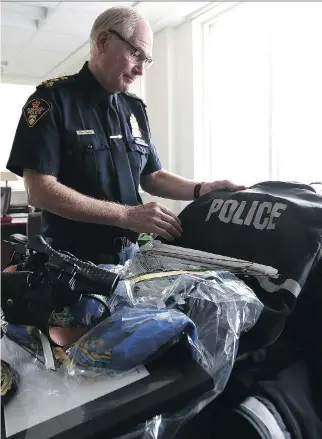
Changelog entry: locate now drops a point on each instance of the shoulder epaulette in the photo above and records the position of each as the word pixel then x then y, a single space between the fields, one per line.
pixel 56 81
pixel 134 96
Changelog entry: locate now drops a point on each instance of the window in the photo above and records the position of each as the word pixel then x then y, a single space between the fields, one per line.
pixel 13 98
pixel 263 100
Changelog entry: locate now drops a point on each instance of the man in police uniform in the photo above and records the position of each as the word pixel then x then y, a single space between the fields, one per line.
pixel 83 146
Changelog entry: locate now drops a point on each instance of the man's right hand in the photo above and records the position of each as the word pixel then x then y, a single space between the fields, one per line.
pixel 152 218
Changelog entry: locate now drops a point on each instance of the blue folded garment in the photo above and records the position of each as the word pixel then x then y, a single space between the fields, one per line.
pixel 129 338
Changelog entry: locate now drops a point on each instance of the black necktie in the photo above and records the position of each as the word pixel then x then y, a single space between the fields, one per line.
pixel 127 191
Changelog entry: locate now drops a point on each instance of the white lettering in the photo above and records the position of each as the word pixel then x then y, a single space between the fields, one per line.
pixel 215 205
pixel 240 210
pixel 275 214
pixel 260 215
pixel 228 208
pixel 251 212
pixel 262 225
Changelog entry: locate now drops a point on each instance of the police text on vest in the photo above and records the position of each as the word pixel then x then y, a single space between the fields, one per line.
pixel 259 214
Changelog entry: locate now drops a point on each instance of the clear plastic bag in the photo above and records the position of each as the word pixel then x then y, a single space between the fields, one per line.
pixel 156 266
pixel 221 307
pixel 204 287
pixel 199 286
pixel 165 294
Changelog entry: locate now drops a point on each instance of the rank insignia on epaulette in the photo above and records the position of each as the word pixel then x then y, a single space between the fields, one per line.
pixel 35 110
pixel 51 82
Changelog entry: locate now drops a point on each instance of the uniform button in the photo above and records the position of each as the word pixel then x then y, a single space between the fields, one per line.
pixel 89 146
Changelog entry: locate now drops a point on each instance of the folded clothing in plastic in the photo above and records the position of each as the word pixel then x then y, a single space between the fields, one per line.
pixel 217 303
pixel 129 338
pixel 212 301
pixel 221 305
pixel 272 223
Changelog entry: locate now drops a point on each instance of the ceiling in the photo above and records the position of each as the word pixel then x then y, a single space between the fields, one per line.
pixel 41 40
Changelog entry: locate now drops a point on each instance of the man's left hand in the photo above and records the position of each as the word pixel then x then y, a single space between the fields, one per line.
pixel 220 185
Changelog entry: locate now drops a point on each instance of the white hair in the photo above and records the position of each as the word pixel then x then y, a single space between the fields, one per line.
pixel 121 19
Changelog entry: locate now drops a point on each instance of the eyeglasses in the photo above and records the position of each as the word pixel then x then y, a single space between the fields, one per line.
pixel 137 55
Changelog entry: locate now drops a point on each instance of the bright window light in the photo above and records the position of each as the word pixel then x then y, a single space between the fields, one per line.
pixel 13 98
pixel 264 70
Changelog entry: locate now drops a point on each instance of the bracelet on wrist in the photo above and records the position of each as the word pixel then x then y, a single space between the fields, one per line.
pixel 196 190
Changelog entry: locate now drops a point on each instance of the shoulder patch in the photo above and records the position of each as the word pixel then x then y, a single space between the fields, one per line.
pixel 54 81
pixel 35 110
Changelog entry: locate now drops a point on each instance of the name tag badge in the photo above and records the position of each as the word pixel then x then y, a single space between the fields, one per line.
pixel 140 141
pixel 84 132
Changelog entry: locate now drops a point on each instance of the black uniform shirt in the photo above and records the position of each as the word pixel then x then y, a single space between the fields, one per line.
pixel 94 142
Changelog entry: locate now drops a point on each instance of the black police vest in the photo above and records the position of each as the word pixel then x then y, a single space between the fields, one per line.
pixel 272 223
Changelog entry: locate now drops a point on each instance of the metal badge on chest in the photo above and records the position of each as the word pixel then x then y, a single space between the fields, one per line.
pixel 136 133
